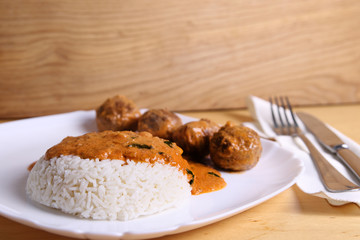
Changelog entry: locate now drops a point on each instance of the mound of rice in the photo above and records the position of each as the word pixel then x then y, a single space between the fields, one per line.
pixel 106 189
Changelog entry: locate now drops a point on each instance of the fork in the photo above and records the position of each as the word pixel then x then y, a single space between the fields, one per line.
pixel 285 123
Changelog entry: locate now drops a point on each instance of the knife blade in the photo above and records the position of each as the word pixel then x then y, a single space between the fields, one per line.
pixel 332 142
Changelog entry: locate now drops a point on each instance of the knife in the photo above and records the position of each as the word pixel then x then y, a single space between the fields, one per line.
pixel 332 142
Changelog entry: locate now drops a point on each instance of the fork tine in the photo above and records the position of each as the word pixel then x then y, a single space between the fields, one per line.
pixel 295 126
pixel 285 115
pixel 272 113
pixel 279 115
pixel 283 123
pixel 291 111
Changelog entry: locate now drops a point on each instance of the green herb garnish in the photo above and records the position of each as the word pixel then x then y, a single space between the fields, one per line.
pixel 214 174
pixel 192 176
pixel 169 143
pixel 142 146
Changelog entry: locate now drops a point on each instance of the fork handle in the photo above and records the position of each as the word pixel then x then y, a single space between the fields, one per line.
pixel 330 177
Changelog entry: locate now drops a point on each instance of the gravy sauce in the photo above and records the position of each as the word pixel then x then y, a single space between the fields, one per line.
pixel 206 179
pixel 121 145
pixel 138 147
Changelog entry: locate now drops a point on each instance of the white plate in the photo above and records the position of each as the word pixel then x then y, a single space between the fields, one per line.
pixel 24 141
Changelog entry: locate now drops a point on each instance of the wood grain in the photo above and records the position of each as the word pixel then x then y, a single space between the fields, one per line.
pixel 58 56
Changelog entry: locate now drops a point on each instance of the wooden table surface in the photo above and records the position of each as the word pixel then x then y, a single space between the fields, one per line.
pixel 290 215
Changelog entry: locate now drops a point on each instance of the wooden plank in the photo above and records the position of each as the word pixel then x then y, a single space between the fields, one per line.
pixel 183 55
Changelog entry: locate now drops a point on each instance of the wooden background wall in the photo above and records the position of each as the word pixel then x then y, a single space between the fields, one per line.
pixel 58 56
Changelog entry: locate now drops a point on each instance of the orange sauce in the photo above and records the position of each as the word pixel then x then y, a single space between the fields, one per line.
pixel 120 145
pixel 31 166
pixel 206 179
pixel 139 147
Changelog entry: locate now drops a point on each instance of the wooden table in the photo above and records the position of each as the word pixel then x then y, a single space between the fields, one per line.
pixel 290 215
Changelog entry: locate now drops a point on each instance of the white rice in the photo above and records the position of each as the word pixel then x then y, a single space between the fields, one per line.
pixel 106 189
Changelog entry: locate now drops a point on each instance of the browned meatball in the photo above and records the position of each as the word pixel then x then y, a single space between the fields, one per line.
pixel 235 148
pixel 194 137
pixel 117 113
pixel 159 122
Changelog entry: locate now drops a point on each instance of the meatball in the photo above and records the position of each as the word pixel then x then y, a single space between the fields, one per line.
pixel 117 113
pixel 194 137
pixel 159 122
pixel 235 148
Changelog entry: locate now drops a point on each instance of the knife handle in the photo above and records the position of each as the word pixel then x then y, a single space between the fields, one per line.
pixel 333 180
pixel 350 159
